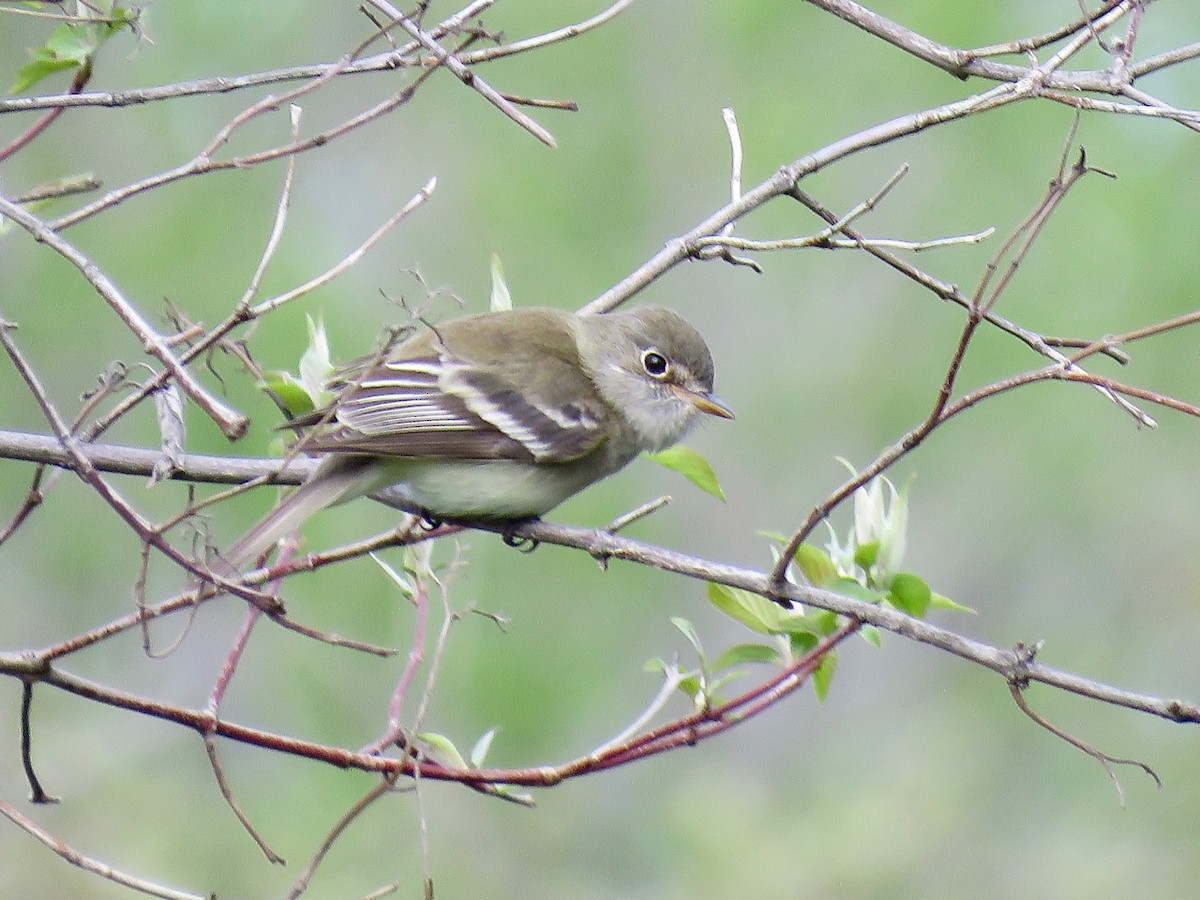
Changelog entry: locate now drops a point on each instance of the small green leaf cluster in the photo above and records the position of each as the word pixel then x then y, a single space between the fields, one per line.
pixel 864 568
pixel 72 45
pixel 301 394
pixel 867 566
pixel 795 631
pixel 446 752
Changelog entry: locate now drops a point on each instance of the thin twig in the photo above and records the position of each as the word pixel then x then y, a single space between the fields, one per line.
pixel 232 423
pixel 465 75
pixel 1101 757
pixel 91 476
pixel 385 62
pixel 82 75
pixel 947 291
pixel 349 259
pixel 242 315
pixel 300 885
pixel 94 866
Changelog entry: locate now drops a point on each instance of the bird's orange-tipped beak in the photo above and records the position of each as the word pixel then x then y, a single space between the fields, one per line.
pixel 706 403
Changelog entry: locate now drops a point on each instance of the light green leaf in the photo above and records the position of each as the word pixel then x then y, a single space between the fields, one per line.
pixel 748 653
pixel 802 642
pixel 806 631
pixel 816 565
pixel 871 635
pixel 848 587
pixel 315 364
pixel 826 621
pixel 823 676
pixel 937 601
pixel 910 594
pixel 656 666
pixel 693 689
pixel 692 466
pixel 714 690
pixel 41 66
pixel 866 554
pixel 290 392
pixel 803 624
pixel 688 631
pixel 480 751
pixel 406 587
pixel 501 298
pixel 714 695
pixel 70 46
pixel 776 536
pixel 755 612
pixel 443 747
pixel 71 42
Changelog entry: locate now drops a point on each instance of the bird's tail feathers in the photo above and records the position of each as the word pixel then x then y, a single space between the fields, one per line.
pixel 328 486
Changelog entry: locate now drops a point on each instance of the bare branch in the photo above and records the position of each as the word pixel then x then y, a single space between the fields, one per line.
pixel 88 864
pixel 602 544
pixel 1103 758
pixel 465 75
pixel 232 423
pixel 401 57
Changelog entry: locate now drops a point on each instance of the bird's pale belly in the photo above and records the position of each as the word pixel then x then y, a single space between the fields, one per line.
pixel 493 489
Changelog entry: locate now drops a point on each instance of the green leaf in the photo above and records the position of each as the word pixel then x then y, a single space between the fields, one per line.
pixel 501 298
pixel 72 42
pixel 692 466
pixel 288 391
pixel 70 46
pixel 480 751
pixel 656 666
pixel 714 689
pixel 688 631
pixel 871 635
pixel 823 676
pixel 937 601
pixel 33 72
pixel 694 690
pixel 909 593
pixel 848 587
pixel 802 642
pixel 748 653
pixel 443 747
pixel 406 587
pixel 826 621
pixel 866 554
pixel 806 631
pixel 315 365
pixel 800 623
pixel 816 565
pixel 755 612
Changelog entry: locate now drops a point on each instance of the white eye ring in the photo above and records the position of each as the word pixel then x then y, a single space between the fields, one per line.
pixel 655 364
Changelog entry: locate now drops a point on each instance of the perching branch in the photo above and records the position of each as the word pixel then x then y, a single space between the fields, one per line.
pixel 605 545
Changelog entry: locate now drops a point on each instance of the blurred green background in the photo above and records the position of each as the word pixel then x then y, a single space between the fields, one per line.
pixel 1046 510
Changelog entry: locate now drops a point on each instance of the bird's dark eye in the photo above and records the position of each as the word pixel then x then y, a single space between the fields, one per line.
pixel 654 363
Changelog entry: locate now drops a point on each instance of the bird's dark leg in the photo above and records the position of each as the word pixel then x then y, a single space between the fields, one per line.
pixel 510 537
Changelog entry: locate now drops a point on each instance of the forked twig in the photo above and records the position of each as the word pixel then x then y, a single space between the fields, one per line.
pixel 1018 694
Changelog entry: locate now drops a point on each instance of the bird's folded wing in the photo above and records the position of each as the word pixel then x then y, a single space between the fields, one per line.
pixel 438 406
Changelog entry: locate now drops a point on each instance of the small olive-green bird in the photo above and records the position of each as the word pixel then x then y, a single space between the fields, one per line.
pixel 499 416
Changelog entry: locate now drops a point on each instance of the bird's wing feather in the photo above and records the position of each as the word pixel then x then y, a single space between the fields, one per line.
pixel 437 405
